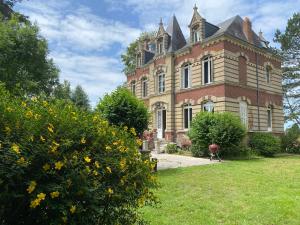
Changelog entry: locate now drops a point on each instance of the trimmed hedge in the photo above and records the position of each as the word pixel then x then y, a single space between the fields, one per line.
pixel 61 165
pixel 265 144
pixel 224 129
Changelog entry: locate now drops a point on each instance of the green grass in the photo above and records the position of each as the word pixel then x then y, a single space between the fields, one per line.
pixel 251 192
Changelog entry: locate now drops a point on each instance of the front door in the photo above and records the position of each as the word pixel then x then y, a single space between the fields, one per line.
pixel 161 123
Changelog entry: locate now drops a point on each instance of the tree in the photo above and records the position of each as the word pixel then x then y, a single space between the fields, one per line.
pixel 129 57
pixel 290 52
pixel 24 62
pixel 121 108
pixel 80 98
pixel 63 91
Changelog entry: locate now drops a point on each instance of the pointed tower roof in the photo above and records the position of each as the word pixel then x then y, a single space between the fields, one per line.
pixel 196 16
pixel 161 29
pixel 177 37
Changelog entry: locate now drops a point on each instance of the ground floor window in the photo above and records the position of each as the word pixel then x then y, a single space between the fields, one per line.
pixel 269 118
pixel 244 113
pixel 187 116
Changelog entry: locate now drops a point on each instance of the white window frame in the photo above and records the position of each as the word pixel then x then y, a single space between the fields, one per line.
pixel 160 47
pixel 189 114
pixel 144 87
pixel 244 113
pixel 133 87
pixel 184 68
pixel 208 106
pixel 207 60
pixel 269 119
pixel 161 84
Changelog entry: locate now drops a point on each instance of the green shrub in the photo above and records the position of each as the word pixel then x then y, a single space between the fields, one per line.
pixel 224 129
pixel 291 140
pixel 121 108
pixel 59 165
pixel 265 144
pixel 171 148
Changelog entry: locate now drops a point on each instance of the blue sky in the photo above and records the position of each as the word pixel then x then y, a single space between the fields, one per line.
pixel 87 37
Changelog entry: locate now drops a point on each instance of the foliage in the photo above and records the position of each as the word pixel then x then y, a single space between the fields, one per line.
pixel 265 144
pixel 63 91
pixel 24 62
pixel 291 140
pixel 171 148
pixel 129 57
pixel 122 108
pixel 224 129
pixel 290 52
pixel 80 98
pixel 62 165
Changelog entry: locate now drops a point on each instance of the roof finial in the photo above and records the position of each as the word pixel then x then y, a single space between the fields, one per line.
pixel 195 7
pixel 260 33
pixel 160 22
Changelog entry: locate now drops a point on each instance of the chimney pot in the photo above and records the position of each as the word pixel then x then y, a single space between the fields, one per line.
pixel 247 28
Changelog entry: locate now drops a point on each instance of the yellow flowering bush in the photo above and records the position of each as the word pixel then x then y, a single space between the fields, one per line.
pixel 57 168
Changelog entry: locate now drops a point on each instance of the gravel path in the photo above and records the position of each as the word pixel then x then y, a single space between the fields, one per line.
pixel 167 161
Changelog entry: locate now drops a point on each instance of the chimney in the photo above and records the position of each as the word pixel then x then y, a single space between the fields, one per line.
pixel 247 28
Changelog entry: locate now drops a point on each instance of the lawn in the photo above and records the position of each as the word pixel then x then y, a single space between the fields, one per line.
pixel 251 192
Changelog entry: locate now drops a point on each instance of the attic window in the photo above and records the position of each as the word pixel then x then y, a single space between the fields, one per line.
pixel 160 46
pixel 196 34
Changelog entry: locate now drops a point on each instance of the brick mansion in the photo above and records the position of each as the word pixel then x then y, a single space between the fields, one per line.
pixel 219 67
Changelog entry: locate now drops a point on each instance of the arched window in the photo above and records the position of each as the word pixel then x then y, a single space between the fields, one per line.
pixel 161 83
pixel 269 117
pixel 160 45
pixel 186 76
pixel 133 87
pixel 244 113
pixel 187 116
pixel 208 106
pixel 268 74
pixel 144 87
pixel 207 76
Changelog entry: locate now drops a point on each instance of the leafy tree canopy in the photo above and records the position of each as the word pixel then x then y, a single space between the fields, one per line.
pixel 24 62
pixel 80 98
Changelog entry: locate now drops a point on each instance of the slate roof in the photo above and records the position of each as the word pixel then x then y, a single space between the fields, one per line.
pixel 177 39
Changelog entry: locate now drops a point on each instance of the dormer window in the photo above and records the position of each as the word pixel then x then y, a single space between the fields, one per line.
pixel 207 76
pixel 160 46
pixel 196 34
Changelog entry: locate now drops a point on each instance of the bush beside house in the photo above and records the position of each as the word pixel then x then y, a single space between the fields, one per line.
pixel 265 144
pixel 291 140
pixel 224 129
pixel 63 165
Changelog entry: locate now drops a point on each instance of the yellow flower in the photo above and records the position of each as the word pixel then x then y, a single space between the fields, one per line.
pixel 45 103
pixel 34 203
pixel 58 165
pixel 108 169
pixel 110 191
pixel 113 133
pixel 82 141
pixel 31 187
pixel 95 172
pixel 139 142
pixel 132 130
pixel 15 148
pixel 87 159
pixel 115 143
pixel 50 129
pixel 108 148
pixel 54 194
pixel 46 166
pixel 125 128
pixel 21 160
pixel 24 104
pixel 122 164
pixel 8 109
pixel 97 164
pixel 54 146
pixel 34 99
pixel 41 196
pixel 7 130
pixel 72 209
pixel 42 138
pixel 31 138
pixel 29 114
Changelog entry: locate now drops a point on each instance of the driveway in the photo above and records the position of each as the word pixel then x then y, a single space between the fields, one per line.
pixel 167 161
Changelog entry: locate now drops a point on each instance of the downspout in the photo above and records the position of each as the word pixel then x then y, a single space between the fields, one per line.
pixel 257 91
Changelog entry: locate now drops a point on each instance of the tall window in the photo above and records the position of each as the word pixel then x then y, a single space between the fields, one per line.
pixel 186 77
pixel 187 116
pixel 208 106
pixel 145 87
pixel 244 113
pixel 196 34
pixel 268 74
pixel 161 83
pixel 133 87
pixel 269 118
pixel 207 70
pixel 160 46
